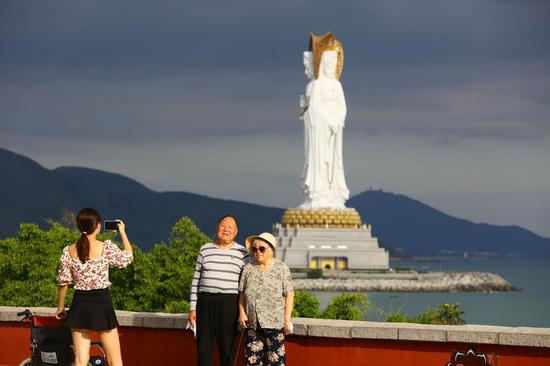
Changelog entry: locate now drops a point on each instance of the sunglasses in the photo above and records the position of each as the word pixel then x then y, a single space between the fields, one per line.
pixel 261 249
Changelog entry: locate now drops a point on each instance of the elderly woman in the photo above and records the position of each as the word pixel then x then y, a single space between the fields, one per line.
pixel 265 303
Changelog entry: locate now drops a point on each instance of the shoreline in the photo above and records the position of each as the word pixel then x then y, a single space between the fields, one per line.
pixel 408 282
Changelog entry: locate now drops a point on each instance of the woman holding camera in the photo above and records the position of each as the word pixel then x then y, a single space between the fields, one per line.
pixel 85 264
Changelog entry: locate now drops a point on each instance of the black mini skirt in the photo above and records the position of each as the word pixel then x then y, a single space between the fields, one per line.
pixel 92 310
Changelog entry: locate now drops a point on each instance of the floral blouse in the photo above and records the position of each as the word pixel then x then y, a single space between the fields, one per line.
pixel 265 294
pixel 94 273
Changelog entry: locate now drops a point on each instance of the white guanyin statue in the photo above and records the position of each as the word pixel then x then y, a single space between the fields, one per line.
pixel 323 113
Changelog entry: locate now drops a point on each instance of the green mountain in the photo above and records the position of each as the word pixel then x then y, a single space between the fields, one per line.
pixel 32 193
pixel 402 222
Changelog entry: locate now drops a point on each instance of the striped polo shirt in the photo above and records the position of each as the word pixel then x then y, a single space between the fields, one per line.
pixel 218 270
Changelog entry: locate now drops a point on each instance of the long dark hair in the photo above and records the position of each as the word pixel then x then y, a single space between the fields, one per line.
pixel 86 221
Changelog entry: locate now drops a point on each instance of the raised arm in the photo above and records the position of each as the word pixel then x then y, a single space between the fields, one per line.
pixel 122 232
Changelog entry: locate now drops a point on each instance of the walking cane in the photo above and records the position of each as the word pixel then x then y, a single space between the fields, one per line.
pixel 238 348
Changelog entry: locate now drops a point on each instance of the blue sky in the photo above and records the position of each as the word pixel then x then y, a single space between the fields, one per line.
pixel 448 101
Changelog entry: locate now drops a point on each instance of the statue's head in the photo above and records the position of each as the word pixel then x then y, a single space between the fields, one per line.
pixel 319 45
pixel 308 64
pixel 329 64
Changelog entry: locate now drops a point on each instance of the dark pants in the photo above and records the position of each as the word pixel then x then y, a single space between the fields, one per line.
pixel 217 316
pixel 265 347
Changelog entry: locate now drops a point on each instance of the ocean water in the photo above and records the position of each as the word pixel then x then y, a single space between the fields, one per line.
pixel 529 307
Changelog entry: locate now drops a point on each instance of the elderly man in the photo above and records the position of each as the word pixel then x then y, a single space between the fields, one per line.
pixel 215 293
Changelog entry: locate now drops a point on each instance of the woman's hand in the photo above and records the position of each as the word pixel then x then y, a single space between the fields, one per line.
pixel 243 320
pixel 121 226
pixel 60 314
pixel 288 328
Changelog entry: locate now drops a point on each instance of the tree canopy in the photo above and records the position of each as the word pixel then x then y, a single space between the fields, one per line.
pixel 158 280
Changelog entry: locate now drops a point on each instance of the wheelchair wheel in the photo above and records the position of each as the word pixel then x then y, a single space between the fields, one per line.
pixel 26 362
pixel 97 361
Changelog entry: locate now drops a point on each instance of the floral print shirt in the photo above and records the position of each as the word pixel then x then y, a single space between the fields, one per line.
pixel 265 293
pixel 93 274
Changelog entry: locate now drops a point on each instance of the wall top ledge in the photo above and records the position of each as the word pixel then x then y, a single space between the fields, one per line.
pixel 480 334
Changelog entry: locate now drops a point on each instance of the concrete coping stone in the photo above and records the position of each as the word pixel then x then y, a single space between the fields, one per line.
pixel 476 334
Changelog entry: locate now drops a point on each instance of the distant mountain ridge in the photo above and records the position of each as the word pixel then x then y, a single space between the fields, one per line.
pixel 419 229
pixel 32 193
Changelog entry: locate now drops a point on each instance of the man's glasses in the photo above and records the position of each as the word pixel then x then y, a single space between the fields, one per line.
pixel 261 249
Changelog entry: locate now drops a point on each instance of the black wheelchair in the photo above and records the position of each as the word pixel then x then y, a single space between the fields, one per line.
pixel 52 344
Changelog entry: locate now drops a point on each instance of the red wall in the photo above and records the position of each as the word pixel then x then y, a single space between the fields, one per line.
pixel 147 346
pixel 339 351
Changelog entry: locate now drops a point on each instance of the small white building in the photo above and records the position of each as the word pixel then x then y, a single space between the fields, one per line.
pixel 328 245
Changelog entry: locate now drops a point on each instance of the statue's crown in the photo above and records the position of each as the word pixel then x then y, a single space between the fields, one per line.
pixel 327 42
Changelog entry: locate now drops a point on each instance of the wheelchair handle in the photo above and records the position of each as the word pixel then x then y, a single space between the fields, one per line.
pixel 26 313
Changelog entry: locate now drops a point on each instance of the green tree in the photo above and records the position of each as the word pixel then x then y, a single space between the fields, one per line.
pixel 306 305
pixel 187 239
pixel 129 289
pixel 161 279
pixel 348 307
pixel 28 265
pixel 156 281
pixel 29 262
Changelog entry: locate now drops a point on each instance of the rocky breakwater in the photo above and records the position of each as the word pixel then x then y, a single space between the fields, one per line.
pixel 409 282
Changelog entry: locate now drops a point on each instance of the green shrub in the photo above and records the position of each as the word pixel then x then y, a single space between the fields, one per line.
pixel 450 314
pixel 397 317
pixel 177 306
pixel 348 307
pixel 445 314
pixel 306 305
pixel 429 316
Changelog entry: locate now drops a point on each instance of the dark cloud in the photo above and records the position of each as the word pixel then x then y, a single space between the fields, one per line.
pixel 171 35
pixel 145 75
